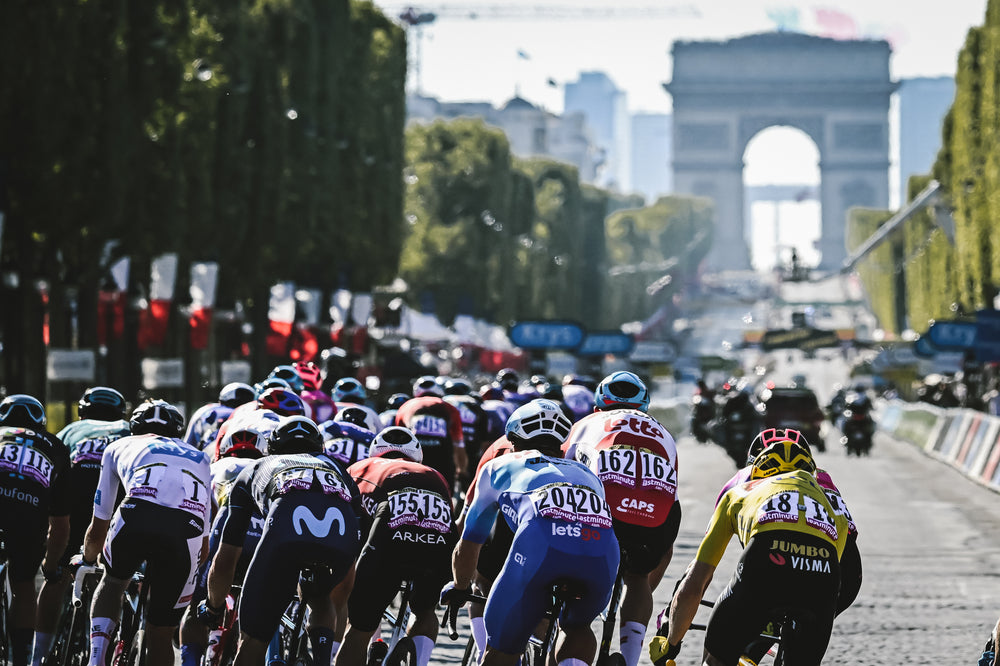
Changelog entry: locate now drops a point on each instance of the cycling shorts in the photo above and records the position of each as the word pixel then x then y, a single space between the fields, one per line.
pixel 392 556
pixel 545 551
pixel 644 547
pixel 84 482
pixel 168 541
pixel 24 536
pixel 779 571
pixel 214 539
pixel 304 529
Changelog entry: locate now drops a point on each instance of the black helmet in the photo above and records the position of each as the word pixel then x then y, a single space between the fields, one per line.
pixel 457 386
pixel 295 434
pixel 101 403
pixel 157 417
pixel 235 394
pixel 396 399
pixel 22 411
pixel 508 379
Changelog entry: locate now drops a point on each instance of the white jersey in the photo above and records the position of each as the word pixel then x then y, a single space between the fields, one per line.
pixel 372 420
pixel 161 470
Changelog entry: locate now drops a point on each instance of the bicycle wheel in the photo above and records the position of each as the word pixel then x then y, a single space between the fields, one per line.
pixel 403 654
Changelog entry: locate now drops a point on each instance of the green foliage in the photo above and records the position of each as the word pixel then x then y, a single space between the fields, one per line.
pixel 929 257
pixel 878 269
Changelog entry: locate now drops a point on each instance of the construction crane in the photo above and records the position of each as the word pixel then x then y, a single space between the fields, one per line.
pixel 415 19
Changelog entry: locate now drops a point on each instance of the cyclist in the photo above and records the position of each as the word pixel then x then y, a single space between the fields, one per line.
pixel 359 415
pixel 792 542
pixel 510 384
pixel 261 415
pixel 310 504
pixel 162 521
pixel 459 393
pixel 237 450
pixel 321 405
pixel 438 427
pixel 345 442
pixel 207 419
pixel 562 531
pixel 408 524
pixel 497 410
pixel 348 392
pixel 388 415
pixel 35 499
pixel 636 459
pixel 850 561
pixel 102 420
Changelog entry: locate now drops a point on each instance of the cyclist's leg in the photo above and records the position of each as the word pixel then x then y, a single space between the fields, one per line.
pixel 121 558
pixel 376 582
pixel 492 557
pixel 171 565
pixel 25 538
pixel 322 617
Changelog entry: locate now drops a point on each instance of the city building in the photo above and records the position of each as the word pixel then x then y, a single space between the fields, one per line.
pixel 652 137
pixel 605 107
pixel 923 104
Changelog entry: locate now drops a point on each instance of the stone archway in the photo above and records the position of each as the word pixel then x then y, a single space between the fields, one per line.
pixel 837 92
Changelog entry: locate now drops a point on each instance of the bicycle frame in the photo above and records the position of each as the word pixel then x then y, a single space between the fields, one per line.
pixel 400 620
pixel 5 595
pixel 131 646
pixel 609 624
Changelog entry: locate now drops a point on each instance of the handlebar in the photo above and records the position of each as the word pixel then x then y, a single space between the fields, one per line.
pixel 81 574
pixel 450 618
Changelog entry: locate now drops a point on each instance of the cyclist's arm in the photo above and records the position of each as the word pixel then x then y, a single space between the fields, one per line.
pixel 56 542
pixel 686 600
pixel 222 572
pixel 463 563
pixel 97 532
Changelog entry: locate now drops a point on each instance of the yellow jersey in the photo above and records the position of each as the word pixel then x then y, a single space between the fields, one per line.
pixel 792 501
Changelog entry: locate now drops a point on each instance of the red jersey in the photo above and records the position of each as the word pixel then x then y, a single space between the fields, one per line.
pixel 417 495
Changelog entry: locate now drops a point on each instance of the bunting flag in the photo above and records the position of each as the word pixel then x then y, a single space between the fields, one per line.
pixel 836 24
pixel 111 304
pixel 204 280
pixel 154 319
pixel 281 316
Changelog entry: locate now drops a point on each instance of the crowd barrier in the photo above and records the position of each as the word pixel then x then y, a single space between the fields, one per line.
pixel 966 439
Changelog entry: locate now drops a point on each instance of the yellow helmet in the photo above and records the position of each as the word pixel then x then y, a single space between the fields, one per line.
pixel 780 457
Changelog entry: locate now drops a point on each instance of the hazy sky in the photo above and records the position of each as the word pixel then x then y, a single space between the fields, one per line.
pixel 478 59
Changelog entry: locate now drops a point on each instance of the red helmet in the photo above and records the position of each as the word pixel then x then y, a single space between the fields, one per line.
pixel 282 401
pixel 311 375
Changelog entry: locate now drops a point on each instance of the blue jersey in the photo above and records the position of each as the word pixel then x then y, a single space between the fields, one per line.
pixel 86 440
pixel 526 486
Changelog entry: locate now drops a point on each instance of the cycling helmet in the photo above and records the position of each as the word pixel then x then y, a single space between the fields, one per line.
pixel 349 389
pixel 157 417
pixel 312 376
pixel 235 394
pixel 269 383
pixel 580 380
pixel 22 411
pixel 621 390
pixel 101 403
pixel 508 379
pixel 427 385
pixel 540 424
pixel 290 375
pixel 780 457
pixel 396 400
pixel 355 415
pixel 767 437
pixel 295 434
pixel 243 444
pixel 491 392
pixel 282 401
pixel 457 386
pixel 396 439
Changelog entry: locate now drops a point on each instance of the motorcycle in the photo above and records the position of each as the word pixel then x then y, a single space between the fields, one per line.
pixel 702 413
pixel 857 426
pixel 736 427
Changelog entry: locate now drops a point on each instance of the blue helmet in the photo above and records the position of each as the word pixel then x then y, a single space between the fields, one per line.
pixel 22 411
pixel 290 375
pixel 101 403
pixel 621 390
pixel 349 389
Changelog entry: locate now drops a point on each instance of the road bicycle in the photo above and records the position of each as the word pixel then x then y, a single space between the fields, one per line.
pixel 400 649
pixel 130 645
pixel 605 657
pixel 290 645
pixel 72 642
pixel 222 641
pixel 5 596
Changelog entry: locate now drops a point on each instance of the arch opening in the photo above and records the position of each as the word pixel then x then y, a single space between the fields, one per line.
pixel 781 180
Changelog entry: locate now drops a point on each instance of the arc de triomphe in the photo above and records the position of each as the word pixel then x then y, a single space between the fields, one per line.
pixel 837 92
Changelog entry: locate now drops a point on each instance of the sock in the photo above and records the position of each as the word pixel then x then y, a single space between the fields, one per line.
pixel 191 654
pixel 322 642
pixel 424 646
pixel 631 637
pixel 43 645
pixel 102 630
pixel 479 634
pixel 21 640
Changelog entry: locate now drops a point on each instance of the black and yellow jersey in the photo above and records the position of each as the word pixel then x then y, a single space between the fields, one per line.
pixel 793 501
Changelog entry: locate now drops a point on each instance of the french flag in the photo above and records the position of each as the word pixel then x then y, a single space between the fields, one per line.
pixel 154 319
pixel 204 280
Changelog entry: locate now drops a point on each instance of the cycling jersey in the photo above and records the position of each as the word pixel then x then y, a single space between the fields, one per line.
pixel 634 457
pixel 473 421
pixel 310 505
pixel 438 427
pixel 224 474
pixel 34 484
pixel 86 440
pixel 579 399
pixel 345 442
pixel 562 530
pixel 410 536
pixel 497 413
pixel 792 502
pixel 205 423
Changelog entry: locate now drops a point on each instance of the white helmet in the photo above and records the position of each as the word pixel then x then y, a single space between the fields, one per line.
pixel 542 420
pixel 398 439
